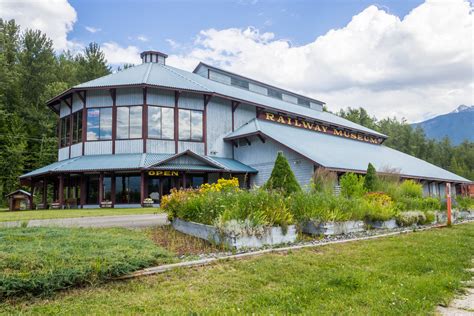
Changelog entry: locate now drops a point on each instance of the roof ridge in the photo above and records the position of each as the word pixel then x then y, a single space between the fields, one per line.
pixel 188 79
pixel 147 73
pixel 67 162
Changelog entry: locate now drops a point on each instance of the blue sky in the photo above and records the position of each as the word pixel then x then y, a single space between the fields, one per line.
pixel 403 58
pixel 156 21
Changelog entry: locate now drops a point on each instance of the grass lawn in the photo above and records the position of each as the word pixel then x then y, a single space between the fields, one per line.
pixel 408 274
pixel 39 261
pixel 6 215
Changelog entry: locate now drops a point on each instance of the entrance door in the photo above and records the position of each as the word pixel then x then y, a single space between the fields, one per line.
pixel 168 183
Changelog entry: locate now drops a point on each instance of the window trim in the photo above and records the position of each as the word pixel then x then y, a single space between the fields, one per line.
pixel 161 122
pixel 190 126
pixel 87 119
pixel 117 126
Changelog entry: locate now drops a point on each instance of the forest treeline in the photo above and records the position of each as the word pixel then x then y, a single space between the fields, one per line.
pixel 31 73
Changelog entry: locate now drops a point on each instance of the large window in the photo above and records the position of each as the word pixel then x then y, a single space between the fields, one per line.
pixel 127 189
pixel 65 130
pixel 99 124
pixel 129 122
pixel 160 122
pixel 190 125
pixel 77 127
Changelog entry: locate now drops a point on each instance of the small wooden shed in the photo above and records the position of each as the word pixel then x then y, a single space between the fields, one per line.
pixel 20 200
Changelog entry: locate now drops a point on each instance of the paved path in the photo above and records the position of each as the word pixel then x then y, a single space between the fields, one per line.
pixel 463 305
pixel 131 221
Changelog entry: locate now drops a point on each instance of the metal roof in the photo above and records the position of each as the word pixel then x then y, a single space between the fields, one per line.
pixel 156 74
pixel 340 153
pixel 137 162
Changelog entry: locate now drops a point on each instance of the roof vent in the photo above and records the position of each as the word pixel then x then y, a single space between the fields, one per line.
pixel 153 56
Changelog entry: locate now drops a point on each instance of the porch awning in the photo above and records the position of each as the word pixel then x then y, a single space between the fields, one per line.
pixel 184 161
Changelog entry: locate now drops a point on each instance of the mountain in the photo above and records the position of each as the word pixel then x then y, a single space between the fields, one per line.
pixel 458 125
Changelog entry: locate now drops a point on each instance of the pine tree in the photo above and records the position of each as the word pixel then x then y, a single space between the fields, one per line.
pixel 92 63
pixel 370 180
pixel 282 177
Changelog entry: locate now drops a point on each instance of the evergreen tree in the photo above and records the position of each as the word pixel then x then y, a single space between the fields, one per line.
pixel 370 180
pixel 92 63
pixel 282 177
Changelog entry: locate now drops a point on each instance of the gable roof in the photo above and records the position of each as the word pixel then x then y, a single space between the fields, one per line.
pixel 338 153
pixel 163 76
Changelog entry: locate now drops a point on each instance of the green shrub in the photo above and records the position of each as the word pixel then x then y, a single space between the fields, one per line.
pixel 324 181
pixel 282 177
pixel 322 207
pixel 40 261
pixel 411 218
pixel 431 204
pixel 410 189
pixel 465 203
pixel 260 207
pixel 370 180
pixel 352 185
pixel 379 207
pixel 430 217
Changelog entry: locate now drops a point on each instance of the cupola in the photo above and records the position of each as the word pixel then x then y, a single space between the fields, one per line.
pixel 153 56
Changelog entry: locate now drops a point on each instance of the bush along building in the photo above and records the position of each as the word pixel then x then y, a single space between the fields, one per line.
pixel 139 132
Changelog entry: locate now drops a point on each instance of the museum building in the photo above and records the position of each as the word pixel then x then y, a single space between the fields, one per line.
pixel 141 131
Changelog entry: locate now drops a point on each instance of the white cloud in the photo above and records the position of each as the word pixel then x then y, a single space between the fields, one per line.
pixel 142 38
pixel 92 29
pixel 116 54
pixel 53 17
pixel 411 67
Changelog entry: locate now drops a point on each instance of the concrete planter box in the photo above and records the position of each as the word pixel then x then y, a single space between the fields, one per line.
pixel 442 217
pixel 466 214
pixel 270 235
pixel 390 224
pixel 332 228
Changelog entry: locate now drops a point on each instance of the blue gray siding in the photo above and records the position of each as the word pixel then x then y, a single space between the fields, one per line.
pixel 129 96
pixel 64 110
pixel 160 97
pixel 76 103
pixel 243 114
pixel 156 146
pixel 133 146
pixel 191 101
pixel 63 153
pixel 98 98
pixel 261 156
pixel 196 147
pixel 76 150
pixel 219 124
pixel 98 148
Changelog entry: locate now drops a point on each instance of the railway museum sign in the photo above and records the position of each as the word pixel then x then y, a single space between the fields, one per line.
pixel 318 127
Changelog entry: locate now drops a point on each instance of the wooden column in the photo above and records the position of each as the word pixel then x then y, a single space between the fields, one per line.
pixel 113 95
pixel 61 191
pixel 45 192
pixel 142 187
pixel 84 122
pixel 144 119
pixel 176 121
pixel 101 187
pixel 83 196
pixel 184 180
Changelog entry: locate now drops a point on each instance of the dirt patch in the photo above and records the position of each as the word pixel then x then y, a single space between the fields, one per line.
pixel 181 244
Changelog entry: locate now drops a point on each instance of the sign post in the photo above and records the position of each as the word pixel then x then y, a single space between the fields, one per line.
pixel 448 202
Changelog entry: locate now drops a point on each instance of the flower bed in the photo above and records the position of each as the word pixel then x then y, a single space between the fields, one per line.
pixel 238 235
pixel 241 218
